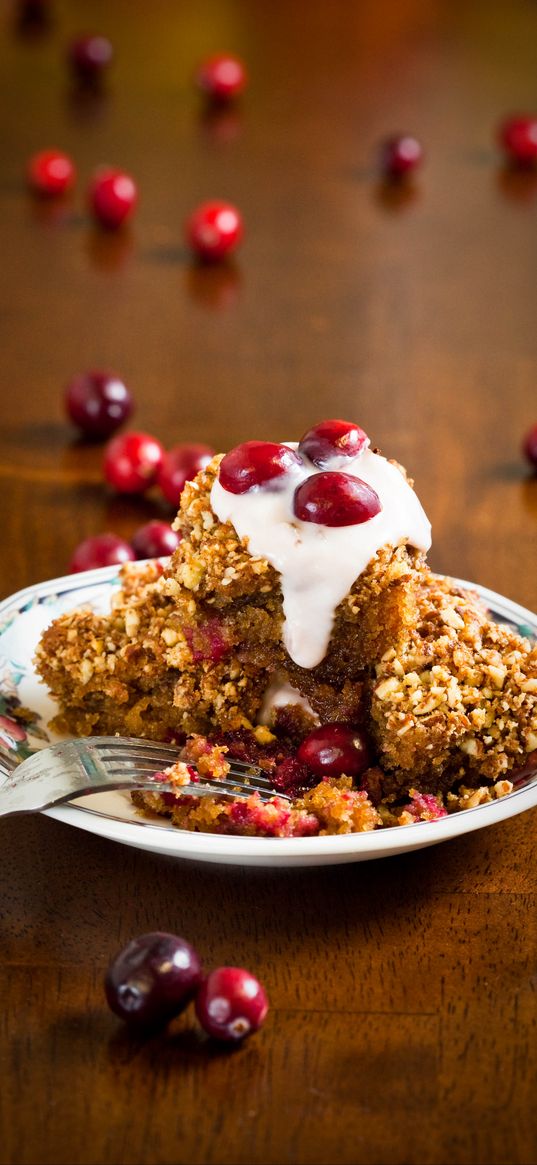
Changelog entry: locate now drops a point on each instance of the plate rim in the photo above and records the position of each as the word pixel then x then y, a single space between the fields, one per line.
pixel 189 844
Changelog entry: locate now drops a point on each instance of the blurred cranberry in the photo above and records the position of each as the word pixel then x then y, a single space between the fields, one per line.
pixel 518 138
pixel 100 550
pixel 221 77
pixel 98 403
pixel 530 446
pixel 155 540
pixel 50 172
pixel 113 196
pixel 180 465
pixel 400 154
pixel 214 230
pixel 132 462
pixel 90 56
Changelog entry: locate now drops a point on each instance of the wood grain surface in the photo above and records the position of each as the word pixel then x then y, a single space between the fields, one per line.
pixel 403 1019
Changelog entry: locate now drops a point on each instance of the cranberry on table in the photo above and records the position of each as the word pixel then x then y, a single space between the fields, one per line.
pixel 90 56
pixel 179 465
pixel 334 750
pixel 335 499
pixel 214 230
pixel 230 1004
pixel 400 155
pixel 155 540
pixel 518 138
pixel 98 402
pixel 132 462
pixel 100 550
pixel 221 77
pixel 331 439
pixel 113 196
pixel 530 446
pixel 152 979
pixel 255 463
pixel 50 172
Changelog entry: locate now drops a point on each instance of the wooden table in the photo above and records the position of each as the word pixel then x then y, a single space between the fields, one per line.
pixel 402 1026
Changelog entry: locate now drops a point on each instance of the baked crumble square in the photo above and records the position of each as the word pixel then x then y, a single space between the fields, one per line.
pixel 414 703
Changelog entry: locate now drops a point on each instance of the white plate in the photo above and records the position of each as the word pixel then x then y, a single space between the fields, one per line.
pixel 23 618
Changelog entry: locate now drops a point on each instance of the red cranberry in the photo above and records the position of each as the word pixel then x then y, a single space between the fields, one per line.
pixel 50 172
pixel 132 462
pixel 181 464
pixel 154 540
pixel 530 446
pixel 230 1004
pixel 400 155
pixel 100 550
pixel 518 137
pixel 152 979
pixel 98 403
pixel 336 499
pixel 255 463
pixel 332 439
pixel 221 77
pixel 214 230
pixel 90 56
pixel 113 196
pixel 335 749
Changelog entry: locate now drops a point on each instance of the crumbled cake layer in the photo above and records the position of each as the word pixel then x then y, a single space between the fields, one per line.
pixel 459 699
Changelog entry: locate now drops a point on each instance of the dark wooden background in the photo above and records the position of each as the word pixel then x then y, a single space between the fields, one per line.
pixel 403 991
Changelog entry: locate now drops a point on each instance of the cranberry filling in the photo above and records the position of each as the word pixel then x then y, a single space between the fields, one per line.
pixel 254 464
pixel 334 750
pixel 335 499
pixel 207 642
pixel 292 777
pixel 332 439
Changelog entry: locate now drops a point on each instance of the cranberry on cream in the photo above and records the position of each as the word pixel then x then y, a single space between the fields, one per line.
pixel 318 563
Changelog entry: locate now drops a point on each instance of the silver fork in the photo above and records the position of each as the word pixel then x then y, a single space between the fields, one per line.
pixel 93 764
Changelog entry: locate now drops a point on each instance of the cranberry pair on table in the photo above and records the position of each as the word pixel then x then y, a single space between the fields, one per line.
pixel 112 193
pixel 156 976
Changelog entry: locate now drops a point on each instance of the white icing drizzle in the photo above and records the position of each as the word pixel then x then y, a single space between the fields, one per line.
pixel 318 564
pixel 278 695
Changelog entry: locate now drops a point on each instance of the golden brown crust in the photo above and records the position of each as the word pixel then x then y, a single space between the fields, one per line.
pixel 460 698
